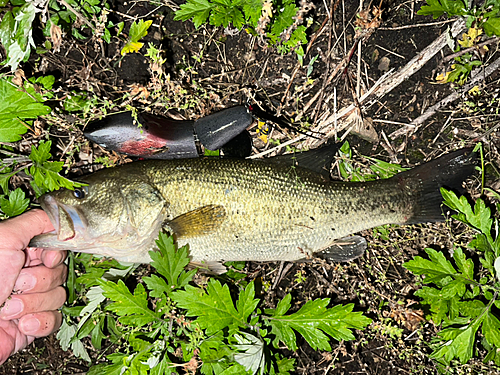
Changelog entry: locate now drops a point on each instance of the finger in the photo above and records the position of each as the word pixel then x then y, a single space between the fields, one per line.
pixel 18 231
pixel 10 339
pixel 22 304
pixel 40 324
pixel 40 279
pixel 51 258
pixel 11 263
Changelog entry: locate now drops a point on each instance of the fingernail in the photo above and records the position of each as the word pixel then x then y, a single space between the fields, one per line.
pixel 12 307
pixel 29 325
pixel 24 282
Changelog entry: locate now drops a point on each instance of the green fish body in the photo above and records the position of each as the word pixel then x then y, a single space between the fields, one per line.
pixel 239 210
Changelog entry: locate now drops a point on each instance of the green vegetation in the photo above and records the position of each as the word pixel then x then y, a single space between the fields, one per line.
pixel 484 17
pixel 278 22
pixel 167 322
pixel 463 295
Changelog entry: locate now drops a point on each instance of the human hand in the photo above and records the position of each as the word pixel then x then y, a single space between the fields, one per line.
pixel 30 283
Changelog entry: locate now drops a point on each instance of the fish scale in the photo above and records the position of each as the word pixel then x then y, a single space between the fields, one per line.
pixel 230 209
pixel 273 212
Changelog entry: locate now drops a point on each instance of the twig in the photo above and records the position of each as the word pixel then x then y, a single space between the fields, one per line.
pixel 470 49
pixel 278 147
pixel 415 124
pixel 391 80
pixel 389 51
pixel 417 25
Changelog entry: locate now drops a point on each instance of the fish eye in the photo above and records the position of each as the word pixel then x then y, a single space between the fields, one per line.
pixel 79 193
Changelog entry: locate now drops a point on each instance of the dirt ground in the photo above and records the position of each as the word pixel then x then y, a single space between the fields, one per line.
pixel 219 68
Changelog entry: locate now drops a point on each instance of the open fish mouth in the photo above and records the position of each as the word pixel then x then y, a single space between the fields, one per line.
pixel 65 219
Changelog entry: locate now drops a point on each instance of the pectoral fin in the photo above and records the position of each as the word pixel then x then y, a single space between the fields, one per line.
pixel 344 249
pixel 203 220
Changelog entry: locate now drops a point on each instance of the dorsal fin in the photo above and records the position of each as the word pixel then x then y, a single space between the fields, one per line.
pixel 318 160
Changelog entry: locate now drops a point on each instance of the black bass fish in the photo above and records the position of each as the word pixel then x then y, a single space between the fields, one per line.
pixel 234 210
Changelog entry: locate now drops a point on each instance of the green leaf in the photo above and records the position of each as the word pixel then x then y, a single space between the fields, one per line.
pixel 313 320
pixel 16 204
pixel 66 337
pixel 198 10
pixel 138 30
pixel 250 352
pixel 214 308
pixel 491 329
pixel 46 173
pixel 4 180
pixel 222 16
pixel 460 347
pixel 170 263
pixel 434 269
pixel 246 303
pixel 253 11
pixel 16 34
pixel 465 266
pixel 284 17
pixel 492 26
pixel 439 306
pixel 131 308
pixel 75 103
pixel 436 8
pixel 16 107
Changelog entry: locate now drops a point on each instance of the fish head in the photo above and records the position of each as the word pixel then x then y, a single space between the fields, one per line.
pixel 112 216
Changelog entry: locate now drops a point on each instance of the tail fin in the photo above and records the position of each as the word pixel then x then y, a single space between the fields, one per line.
pixel 448 171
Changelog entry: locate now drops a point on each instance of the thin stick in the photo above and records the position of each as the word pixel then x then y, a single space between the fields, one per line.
pixel 278 147
pixel 415 124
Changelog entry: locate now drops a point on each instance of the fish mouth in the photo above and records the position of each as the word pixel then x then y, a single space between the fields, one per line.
pixel 65 219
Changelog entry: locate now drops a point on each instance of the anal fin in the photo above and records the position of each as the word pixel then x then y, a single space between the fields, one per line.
pixel 344 249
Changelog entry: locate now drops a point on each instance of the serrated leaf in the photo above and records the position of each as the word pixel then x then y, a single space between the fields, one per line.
pixel 16 203
pixel 131 308
pixel 198 10
pixel 437 7
pixel 313 320
pixel 439 306
pixel 139 30
pixel 464 265
pixel 17 106
pixel 46 173
pixel 131 47
pixel 16 34
pixel 214 308
pixel 65 335
pixel 491 329
pixel 170 262
pixel 94 298
pixel 223 16
pixel 246 303
pixel 250 352
pixel 284 17
pixel 253 11
pixel 460 347
pixel 472 309
pixel 157 286
pixel 434 269
pixel 4 181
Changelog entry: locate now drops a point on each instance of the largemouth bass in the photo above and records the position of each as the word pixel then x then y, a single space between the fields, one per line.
pixel 233 210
